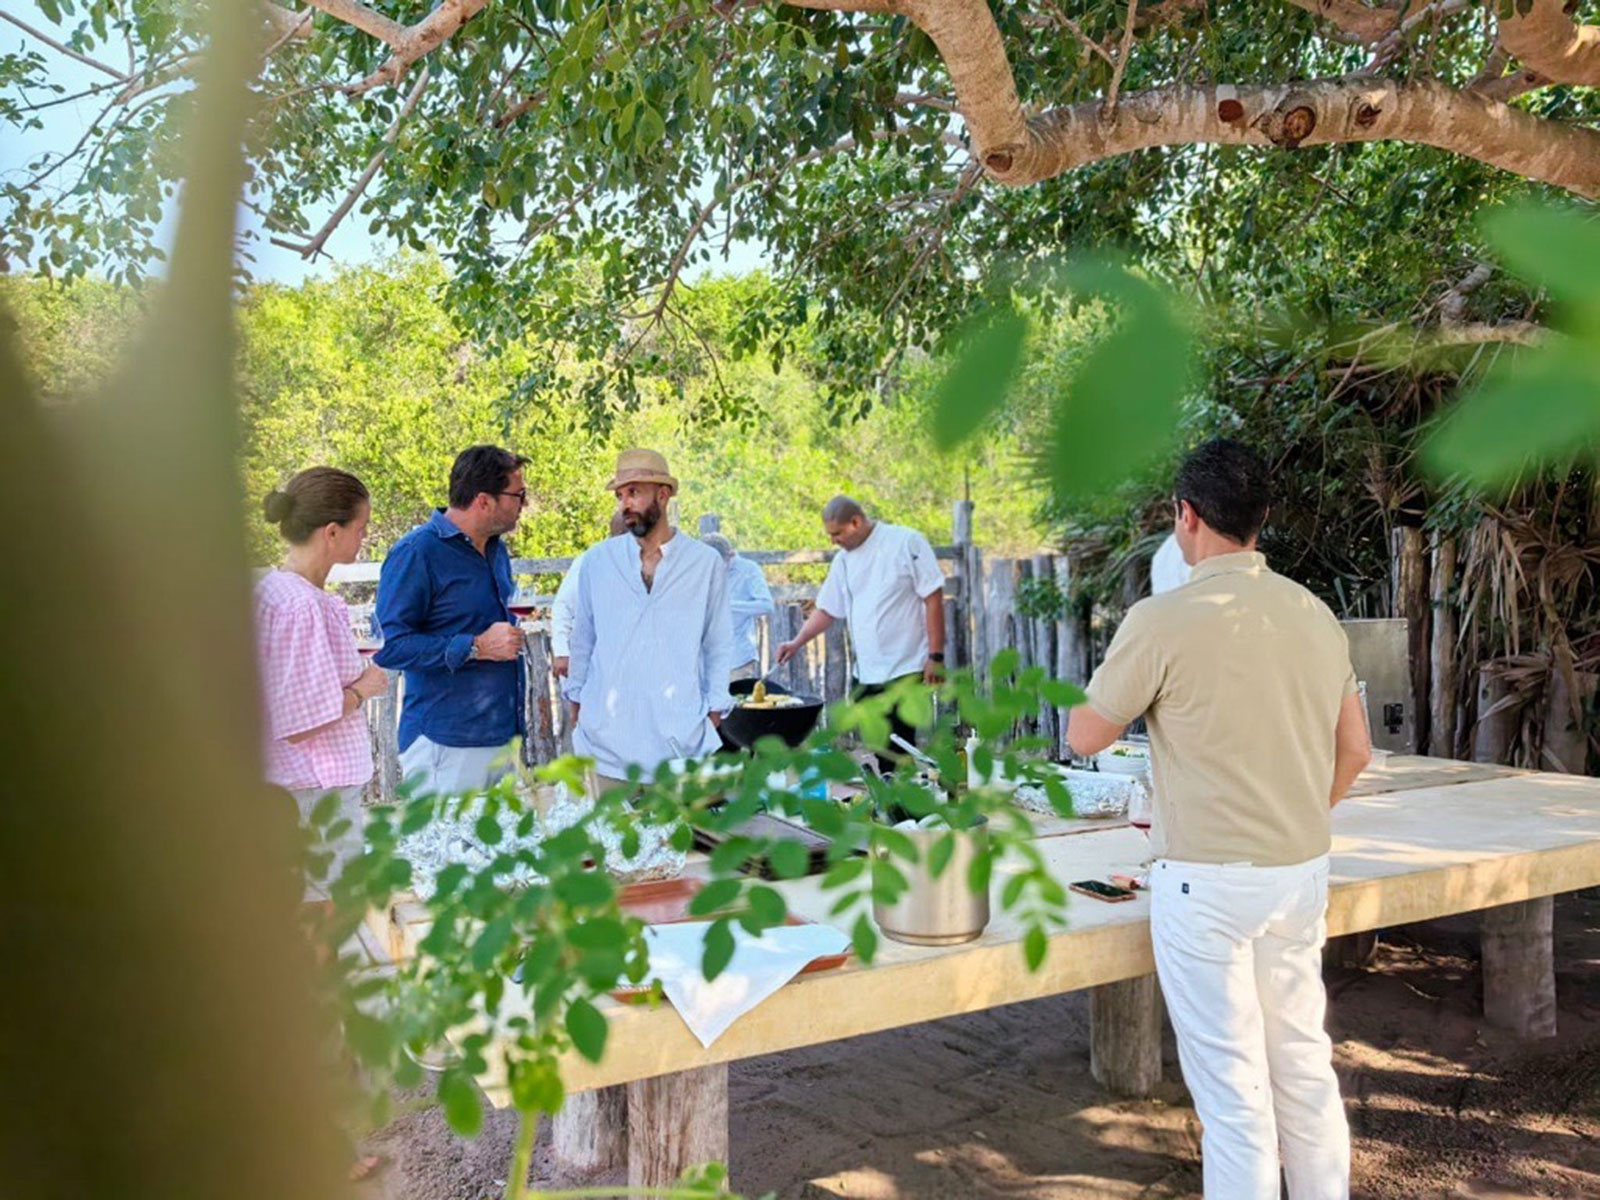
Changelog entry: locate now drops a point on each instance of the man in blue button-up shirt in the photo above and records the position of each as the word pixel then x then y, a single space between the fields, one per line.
pixel 442 609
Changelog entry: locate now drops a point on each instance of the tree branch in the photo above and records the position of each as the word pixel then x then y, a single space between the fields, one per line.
pixel 314 247
pixel 409 43
pixel 64 49
pixel 1060 18
pixel 1509 87
pixel 1364 24
pixel 388 31
pixel 1546 39
pixel 1519 333
pixel 1017 150
pixel 1322 112
pixel 1453 304
pixel 1108 111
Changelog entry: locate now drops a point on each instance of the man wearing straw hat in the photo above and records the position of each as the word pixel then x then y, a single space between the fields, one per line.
pixel 652 638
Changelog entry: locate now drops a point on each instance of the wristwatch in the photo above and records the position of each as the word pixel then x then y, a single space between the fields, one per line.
pixel 472 654
pixel 938 658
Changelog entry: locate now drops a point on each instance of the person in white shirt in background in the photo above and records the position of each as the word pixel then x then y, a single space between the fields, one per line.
pixel 750 599
pixel 564 608
pixel 1167 568
pixel 652 638
pixel 887 583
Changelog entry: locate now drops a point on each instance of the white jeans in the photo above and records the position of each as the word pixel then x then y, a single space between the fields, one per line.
pixel 346 846
pixel 452 770
pixel 1239 953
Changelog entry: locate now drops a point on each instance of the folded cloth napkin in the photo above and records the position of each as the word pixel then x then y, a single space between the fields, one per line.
pixel 759 967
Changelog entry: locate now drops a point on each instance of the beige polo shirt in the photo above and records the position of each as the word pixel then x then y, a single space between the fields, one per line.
pixel 1239 674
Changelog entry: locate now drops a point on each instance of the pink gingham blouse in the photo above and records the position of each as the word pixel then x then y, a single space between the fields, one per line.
pixel 308 657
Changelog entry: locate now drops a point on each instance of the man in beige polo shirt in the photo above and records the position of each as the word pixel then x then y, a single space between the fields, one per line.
pixel 1256 731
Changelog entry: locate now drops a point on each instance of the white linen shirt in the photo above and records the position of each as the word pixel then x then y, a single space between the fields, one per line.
pixel 751 599
pixel 879 588
pixel 648 666
pixel 564 609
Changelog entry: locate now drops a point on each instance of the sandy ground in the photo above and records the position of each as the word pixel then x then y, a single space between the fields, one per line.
pixel 1001 1103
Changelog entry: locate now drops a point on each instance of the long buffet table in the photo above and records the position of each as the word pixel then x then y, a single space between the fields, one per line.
pixel 1417 839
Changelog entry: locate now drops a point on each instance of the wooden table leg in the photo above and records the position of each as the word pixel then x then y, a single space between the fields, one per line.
pixel 1125 1035
pixel 1519 970
pixel 590 1133
pixel 676 1122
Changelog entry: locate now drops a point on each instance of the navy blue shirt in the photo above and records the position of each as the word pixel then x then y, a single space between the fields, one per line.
pixel 435 594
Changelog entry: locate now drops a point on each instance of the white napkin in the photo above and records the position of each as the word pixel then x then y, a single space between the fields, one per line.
pixel 759 967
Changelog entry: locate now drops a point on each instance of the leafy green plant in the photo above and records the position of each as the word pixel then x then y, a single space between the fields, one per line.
pixel 563 934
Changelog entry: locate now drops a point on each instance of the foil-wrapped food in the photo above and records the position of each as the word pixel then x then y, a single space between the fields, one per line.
pixel 1094 794
pixel 454 838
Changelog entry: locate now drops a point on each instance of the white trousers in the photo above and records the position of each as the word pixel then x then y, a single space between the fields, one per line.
pixel 1239 953
pixel 452 770
pixel 347 846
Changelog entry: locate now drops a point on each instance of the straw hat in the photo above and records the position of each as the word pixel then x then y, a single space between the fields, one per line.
pixel 641 466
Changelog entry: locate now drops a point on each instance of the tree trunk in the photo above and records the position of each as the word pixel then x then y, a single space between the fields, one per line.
pixel 1519 978
pixel 676 1122
pixel 1125 1035
pixel 1411 602
pixel 1495 733
pixel 1566 739
pixel 590 1133
pixel 1443 685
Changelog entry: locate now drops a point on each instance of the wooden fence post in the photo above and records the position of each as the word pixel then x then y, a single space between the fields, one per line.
pixel 958 608
pixel 1044 645
pixel 1411 602
pixel 977 611
pixel 383 723
pixel 836 670
pixel 793 618
pixel 1566 741
pixel 542 742
pixel 1495 733
pixel 1443 684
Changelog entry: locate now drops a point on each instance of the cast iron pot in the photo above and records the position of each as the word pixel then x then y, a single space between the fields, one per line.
pixel 742 727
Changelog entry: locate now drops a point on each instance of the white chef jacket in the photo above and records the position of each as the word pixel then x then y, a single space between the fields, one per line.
pixel 879 588
pixel 751 599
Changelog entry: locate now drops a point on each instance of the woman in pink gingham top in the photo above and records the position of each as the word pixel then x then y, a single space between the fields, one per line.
pixel 313 679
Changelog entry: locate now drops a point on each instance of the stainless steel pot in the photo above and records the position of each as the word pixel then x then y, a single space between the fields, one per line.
pixel 942 911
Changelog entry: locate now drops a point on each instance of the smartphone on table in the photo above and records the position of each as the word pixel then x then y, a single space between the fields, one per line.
pixel 1101 891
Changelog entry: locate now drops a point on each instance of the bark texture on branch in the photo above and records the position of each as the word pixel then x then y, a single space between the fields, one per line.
pixel 1547 40
pixel 1320 112
pixel 409 43
pixel 1017 150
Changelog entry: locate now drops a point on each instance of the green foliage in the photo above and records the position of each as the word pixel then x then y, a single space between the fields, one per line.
pixel 368 371
pixel 1540 409
pixel 574 163
pixel 564 936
